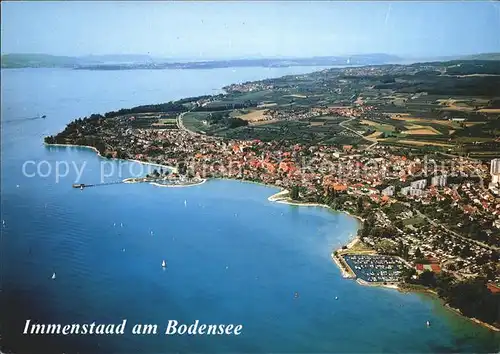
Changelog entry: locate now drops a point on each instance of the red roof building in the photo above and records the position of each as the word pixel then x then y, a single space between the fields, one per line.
pixel 493 288
pixel 430 267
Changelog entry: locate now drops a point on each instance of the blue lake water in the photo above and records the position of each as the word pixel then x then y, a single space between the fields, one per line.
pixel 233 256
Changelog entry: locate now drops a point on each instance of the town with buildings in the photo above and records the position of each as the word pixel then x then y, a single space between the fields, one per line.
pixel 424 210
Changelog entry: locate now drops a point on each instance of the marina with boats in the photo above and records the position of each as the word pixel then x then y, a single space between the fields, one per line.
pixel 375 268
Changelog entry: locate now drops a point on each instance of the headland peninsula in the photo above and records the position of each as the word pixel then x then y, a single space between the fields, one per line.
pixel 412 150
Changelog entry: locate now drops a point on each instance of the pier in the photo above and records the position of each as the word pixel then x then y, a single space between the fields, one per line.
pixel 158 181
pixel 83 185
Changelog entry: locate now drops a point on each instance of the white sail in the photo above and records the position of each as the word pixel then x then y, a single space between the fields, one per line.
pixel 163 264
pixel 53 275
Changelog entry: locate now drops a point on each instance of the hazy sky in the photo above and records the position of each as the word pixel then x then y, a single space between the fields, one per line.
pixel 239 29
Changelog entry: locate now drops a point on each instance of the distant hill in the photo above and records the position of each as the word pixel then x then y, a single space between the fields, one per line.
pixel 54 61
pixel 371 59
pixel 140 61
pixel 128 62
pixel 482 56
pixel 122 58
pixel 41 61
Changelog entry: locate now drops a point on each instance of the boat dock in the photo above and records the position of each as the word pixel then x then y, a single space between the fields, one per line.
pixel 83 185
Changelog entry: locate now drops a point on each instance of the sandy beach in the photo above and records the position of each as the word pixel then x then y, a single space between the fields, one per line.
pixel 389 285
pixel 353 242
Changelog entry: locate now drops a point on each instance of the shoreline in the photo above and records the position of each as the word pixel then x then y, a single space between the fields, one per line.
pixel 173 169
pixel 177 185
pixel 276 199
pixel 346 271
pixel 473 319
pixel 133 180
pixel 431 293
pixel 393 286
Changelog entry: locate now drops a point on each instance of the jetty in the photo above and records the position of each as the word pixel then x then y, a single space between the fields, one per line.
pixel 161 182
pixel 83 185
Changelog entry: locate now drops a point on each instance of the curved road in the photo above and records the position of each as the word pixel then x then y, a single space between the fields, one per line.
pixel 359 134
pixel 181 126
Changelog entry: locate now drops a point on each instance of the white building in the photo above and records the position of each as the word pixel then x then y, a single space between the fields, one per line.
pixel 416 191
pixel 389 191
pixel 420 184
pixel 495 171
pixel 439 181
pixel 411 191
pixel 496 223
pixel 495 167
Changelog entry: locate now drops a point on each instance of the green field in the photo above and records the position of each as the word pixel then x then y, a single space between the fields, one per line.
pixel 433 106
pixel 194 121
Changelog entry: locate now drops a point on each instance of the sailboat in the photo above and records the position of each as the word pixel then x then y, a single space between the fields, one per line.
pixel 428 324
pixel 185 202
pixel 53 275
pixel 164 264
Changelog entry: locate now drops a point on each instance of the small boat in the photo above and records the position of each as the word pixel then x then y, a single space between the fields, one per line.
pixel 44 116
pixel 336 297
pixel 428 324
pixel 53 275
pixel 164 264
pixel 296 295
pixel 185 202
